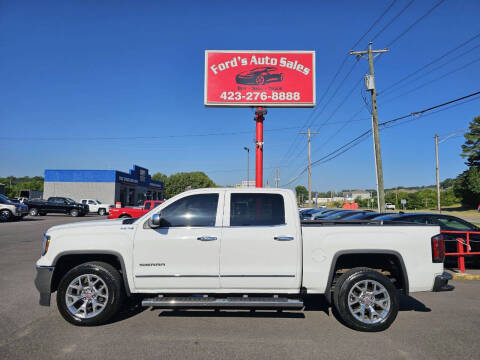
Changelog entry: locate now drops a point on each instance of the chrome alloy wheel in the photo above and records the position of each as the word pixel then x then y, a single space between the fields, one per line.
pixel 369 302
pixel 86 296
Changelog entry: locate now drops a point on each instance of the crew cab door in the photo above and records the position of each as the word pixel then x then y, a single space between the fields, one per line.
pixel 183 253
pixel 261 242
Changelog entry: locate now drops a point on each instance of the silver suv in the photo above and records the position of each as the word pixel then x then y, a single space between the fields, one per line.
pixel 10 210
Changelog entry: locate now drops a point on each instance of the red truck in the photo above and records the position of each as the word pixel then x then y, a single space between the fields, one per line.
pixel 133 212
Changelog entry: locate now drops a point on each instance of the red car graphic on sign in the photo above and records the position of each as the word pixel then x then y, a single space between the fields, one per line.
pixel 259 76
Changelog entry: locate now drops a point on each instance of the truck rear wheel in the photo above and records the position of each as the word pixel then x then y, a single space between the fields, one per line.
pixel 102 212
pixel 90 294
pixel 366 300
pixel 33 212
pixel 74 212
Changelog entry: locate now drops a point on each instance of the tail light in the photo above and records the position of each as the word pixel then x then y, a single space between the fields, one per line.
pixel 438 249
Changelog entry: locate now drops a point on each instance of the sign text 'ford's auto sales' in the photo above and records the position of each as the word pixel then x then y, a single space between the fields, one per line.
pixel 268 78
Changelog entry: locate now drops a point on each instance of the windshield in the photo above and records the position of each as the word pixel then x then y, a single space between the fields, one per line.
pixel 98 201
pixel 71 201
pixel 4 199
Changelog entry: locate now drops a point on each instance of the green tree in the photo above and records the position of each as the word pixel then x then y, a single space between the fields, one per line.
pixel 160 177
pixel 180 182
pixel 302 192
pixel 471 148
pixel 467 187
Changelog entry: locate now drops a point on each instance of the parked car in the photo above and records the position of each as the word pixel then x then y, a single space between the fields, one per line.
pixel 241 248
pixel 345 215
pixel 57 205
pixel 133 212
pixel 310 214
pixel 10 210
pixel 319 216
pixel 96 206
pixel 389 206
pixel 446 223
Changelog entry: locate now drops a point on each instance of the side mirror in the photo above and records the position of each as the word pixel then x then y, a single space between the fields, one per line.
pixel 155 220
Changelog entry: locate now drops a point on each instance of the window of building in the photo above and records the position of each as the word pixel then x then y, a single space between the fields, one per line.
pixel 194 210
pixel 250 209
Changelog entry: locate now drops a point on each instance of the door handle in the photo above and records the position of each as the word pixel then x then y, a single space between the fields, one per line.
pixel 283 238
pixel 206 238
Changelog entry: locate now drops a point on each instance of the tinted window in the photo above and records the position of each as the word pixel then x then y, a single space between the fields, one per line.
pixel 91 202
pixel 156 204
pixel 453 224
pixel 256 209
pixel 194 210
pixel 84 201
pixel 147 206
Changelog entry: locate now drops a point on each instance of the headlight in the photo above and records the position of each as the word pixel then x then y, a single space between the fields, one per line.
pixel 46 243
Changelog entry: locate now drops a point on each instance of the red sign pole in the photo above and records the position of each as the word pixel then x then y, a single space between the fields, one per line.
pixel 259 117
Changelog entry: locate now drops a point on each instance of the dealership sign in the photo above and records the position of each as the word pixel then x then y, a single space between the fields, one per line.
pixel 259 78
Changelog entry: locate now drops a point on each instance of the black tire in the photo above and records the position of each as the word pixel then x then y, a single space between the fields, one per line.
pixel 5 215
pixel 74 212
pixel 124 216
pixel 41 213
pixel 102 212
pixel 114 283
pixel 33 212
pixel 341 297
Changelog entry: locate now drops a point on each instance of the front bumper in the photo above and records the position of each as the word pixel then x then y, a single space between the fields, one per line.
pixel 441 283
pixel 43 283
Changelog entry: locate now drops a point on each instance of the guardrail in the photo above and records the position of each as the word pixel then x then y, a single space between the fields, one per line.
pixel 463 247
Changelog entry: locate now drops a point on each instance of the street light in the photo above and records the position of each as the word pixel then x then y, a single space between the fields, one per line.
pixel 437 142
pixel 248 165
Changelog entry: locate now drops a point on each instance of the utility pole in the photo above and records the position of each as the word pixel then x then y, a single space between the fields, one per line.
pixel 437 174
pixel 309 137
pixel 277 177
pixel 370 84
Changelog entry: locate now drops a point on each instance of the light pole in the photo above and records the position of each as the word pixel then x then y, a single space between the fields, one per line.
pixel 248 165
pixel 437 172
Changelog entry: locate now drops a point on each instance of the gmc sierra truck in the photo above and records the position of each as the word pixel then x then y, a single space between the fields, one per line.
pixel 237 249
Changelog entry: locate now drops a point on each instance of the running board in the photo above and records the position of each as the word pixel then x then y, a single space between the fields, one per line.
pixel 265 303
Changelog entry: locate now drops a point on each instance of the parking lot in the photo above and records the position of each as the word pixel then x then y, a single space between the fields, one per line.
pixel 431 325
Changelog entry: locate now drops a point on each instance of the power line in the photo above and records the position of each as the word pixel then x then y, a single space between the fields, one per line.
pixel 415 23
pixel 142 137
pixel 433 80
pixel 430 63
pixel 393 20
pixel 354 142
pixel 310 120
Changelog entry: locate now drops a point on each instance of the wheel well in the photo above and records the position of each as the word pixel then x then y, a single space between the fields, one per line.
pixel 67 262
pixel 390 265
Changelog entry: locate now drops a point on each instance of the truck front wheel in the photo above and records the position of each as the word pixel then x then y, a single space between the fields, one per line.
pixel 90 294
pixel 366 300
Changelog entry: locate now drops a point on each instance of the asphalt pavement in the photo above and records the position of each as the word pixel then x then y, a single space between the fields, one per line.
pixel 429 325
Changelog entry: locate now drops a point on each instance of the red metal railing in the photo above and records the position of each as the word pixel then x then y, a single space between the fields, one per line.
pixel 463 247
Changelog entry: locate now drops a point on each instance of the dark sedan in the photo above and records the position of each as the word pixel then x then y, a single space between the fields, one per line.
pixel 446 223
pixel 259 76
pixel 346 215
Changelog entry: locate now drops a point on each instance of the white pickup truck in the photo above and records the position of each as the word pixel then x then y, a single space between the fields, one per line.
pixel 96 206
pixel 237 249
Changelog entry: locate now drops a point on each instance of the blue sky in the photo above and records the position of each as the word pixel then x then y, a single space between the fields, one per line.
pixel 71 71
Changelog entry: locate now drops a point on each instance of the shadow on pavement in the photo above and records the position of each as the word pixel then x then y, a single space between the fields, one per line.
pixel 131 309
pixel 408 303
